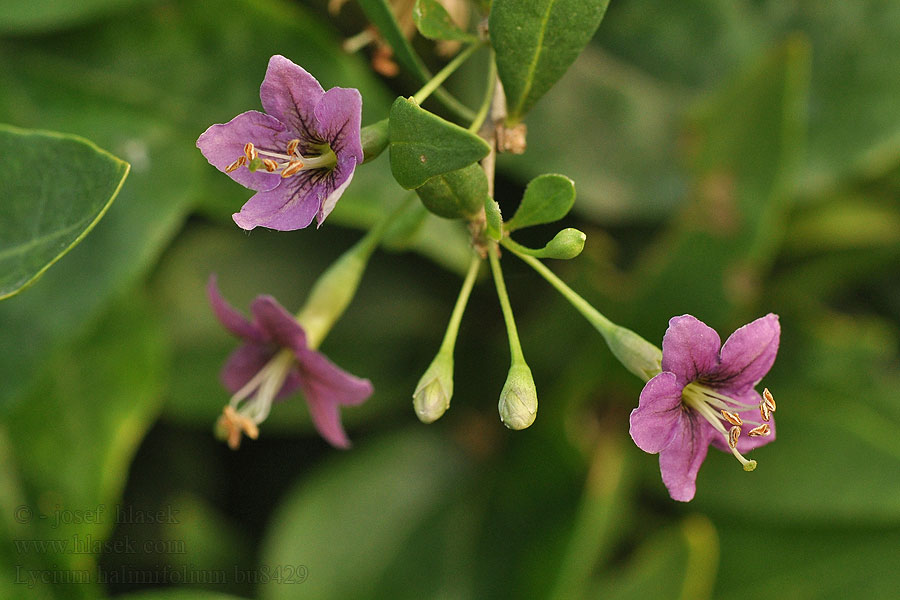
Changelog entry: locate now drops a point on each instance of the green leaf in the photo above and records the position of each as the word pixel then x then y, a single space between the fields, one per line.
pixel 424 145
pixel 55 188
pixel 493 219
pixel 565 245
pixel 74 437
pixel 536 42
pixel 457 194
pixel 320 522
pixel 433 22
pixel 547 198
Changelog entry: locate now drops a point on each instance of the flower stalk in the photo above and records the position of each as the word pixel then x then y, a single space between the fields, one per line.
pixel 435 388
pixel 634 352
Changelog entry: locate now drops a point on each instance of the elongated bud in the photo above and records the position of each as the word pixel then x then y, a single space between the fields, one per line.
pixel 634 352
pixel 434 390
pixel 333 291
pixel 518 400
pixel 374 139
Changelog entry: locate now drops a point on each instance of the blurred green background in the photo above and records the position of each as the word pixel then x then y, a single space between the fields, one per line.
pixel 731 159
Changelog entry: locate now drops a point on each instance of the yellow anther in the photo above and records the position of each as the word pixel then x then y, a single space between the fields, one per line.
pixel 733 436
pixel 732 418
pixel 761 430
pixel 249 151
pixel 293 168
pixel 236 164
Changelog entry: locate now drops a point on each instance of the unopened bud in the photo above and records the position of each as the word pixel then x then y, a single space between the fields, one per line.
pixel 567 244
pixel 518 400
pixel 434 390
pixel 634 352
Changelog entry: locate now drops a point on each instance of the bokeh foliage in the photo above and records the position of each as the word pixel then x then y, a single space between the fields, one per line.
pixel 730 159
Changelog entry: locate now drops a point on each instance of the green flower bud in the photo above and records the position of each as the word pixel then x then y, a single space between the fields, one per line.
pixel 518 400
pixel 565 245
pixel 434 390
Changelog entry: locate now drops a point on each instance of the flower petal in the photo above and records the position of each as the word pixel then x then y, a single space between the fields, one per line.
pixel 690 348
pixel 230 318
pixel 655 421
pixel 748 354
pixel 243 364
pixel 290 94
pixel 340 177
pixel 327 387
pixel 680 461
pixel 290 206
pixel 339 116
pixel 279 324
pixel 224 143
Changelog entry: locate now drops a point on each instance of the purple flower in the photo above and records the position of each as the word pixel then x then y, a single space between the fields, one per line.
pixel 275 361
pixel 298 156
pixel 705 395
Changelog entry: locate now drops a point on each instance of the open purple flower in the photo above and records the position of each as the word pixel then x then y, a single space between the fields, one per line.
pixel 275 361
pixel 298 156
pixel 705 395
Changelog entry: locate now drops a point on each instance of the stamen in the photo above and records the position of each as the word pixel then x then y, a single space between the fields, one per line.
pixel 294 167
pixel 733 436
pixel 732 418
pixel 234 423
pixel 761 430
pixel 292 147
pixel 270 165
pixel 768 399
pixel 249 151
pixel 764 411
pixel 236 164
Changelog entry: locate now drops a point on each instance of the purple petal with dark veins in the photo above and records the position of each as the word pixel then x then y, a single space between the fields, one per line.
pixel 339 115
pixel 334 187
pixel 690 348
pixel 223 144
pixel 292 205
pixel 655 421
pixel 680 461
pixel 229 317
pixel 747 355
pixel 290 94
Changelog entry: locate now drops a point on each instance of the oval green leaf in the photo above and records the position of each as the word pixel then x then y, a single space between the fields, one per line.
pixel 433 22
pixel 423 145
pixel 458 194
pixel 321 521
pixel 54 189
pixel 547 198
pixel 536 42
